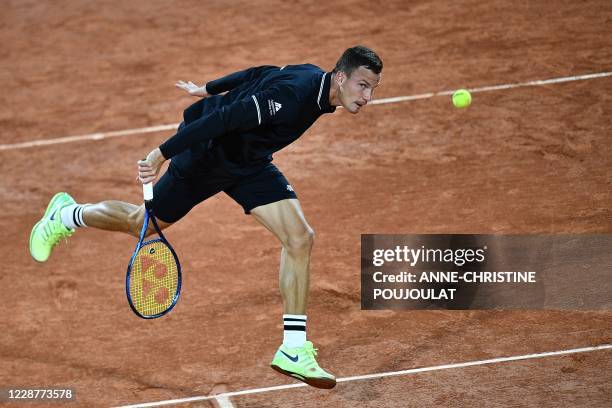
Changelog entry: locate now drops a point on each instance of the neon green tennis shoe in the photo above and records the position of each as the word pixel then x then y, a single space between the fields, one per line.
pixel 49 230
pixel 300 363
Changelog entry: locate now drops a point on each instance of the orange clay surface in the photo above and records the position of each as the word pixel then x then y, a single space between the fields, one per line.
pixel 525 160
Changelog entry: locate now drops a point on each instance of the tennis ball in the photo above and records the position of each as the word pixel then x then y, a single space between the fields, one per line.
pixel 462 98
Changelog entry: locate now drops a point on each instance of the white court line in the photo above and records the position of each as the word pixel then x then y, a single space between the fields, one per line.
pixel 172 126
pixel 225 396
pixel 90 136
pixel 223 401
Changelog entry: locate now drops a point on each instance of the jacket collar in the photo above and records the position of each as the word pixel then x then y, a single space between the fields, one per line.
pixel 323 97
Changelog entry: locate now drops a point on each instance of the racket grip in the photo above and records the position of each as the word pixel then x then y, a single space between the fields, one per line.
pixel 147 191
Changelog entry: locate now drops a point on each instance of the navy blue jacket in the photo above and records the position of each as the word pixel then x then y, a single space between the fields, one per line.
pixel 265 109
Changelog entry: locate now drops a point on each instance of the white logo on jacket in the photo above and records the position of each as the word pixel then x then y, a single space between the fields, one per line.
pixel 273 107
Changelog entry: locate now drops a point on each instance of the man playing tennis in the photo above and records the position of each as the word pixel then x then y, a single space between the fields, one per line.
pixel 225 143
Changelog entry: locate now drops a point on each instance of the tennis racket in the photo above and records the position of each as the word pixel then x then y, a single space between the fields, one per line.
pixel 153 279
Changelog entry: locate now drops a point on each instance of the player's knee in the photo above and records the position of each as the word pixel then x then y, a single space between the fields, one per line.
pixel 300 243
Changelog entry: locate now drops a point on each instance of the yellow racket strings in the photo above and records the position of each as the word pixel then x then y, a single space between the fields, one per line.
pixel 154 279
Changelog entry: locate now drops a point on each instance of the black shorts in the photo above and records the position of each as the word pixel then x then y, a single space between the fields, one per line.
pixel 176 194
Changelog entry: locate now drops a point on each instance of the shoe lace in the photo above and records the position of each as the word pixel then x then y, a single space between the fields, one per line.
pixel 312 353
pixel 52 233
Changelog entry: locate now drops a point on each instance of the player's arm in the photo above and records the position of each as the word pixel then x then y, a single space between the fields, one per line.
pixel 229 82
pixel 243 115
pixel 223 84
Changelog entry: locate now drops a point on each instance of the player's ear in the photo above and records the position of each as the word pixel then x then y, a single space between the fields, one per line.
pixel 340 77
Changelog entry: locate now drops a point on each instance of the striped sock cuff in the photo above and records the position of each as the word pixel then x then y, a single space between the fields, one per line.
pixel 78 216
pixel 294 334
pixel 294 322
pixel 72 216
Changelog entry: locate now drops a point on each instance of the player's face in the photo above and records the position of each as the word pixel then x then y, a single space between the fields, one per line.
pixel 356 90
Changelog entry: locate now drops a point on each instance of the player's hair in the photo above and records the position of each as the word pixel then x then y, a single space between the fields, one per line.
pixel 358 56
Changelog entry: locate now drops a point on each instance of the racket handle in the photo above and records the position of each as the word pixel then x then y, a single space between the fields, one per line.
pixel 147 191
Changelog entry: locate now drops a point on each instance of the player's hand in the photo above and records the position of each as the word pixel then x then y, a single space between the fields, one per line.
pixel 193 89
pixel 149 168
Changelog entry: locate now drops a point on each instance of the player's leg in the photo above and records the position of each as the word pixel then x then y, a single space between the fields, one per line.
pixel 118 216
pixel 271 200
pixel 64 216
pixel 296 357
pixel 174 196
pixel 286 221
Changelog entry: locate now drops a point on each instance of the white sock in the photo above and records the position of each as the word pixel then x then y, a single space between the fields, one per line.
pixel 72 216
pixel 295 330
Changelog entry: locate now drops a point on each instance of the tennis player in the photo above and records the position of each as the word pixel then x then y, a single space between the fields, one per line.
pixel 225 143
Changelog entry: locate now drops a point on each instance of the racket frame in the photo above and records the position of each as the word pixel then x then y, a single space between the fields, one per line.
pixel 150 217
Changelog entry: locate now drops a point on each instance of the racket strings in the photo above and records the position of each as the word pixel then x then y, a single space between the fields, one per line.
pixel 154 279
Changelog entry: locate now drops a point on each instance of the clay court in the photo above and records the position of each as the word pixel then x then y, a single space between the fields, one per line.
pixel 526 158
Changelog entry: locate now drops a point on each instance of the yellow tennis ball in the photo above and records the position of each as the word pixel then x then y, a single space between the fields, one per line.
pixel 462 98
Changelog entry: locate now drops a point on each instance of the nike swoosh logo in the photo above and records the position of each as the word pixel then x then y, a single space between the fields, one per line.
pixel 294 359
pixel 53 215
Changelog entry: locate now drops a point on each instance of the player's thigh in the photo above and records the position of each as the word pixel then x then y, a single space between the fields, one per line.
pixel 286 220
